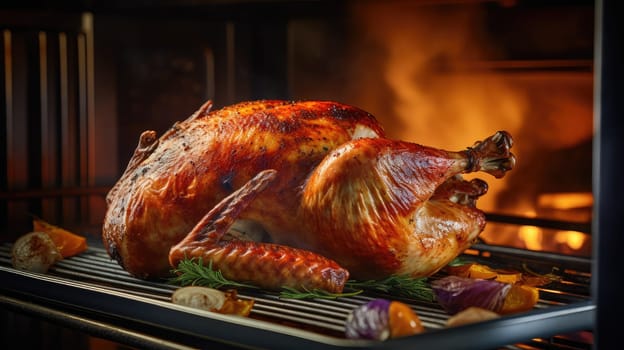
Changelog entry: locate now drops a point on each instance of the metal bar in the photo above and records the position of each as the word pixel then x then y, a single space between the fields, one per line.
pixel 87 29
pixel 88 325
pixel 8 97
pixel 608 185
pixel 584 227
pixel 67 151
pixel 82 122
pixel 66 165
pixel 569 65
pixel 46 142
pixel 530 255
pixel 47 131
pixel 230 61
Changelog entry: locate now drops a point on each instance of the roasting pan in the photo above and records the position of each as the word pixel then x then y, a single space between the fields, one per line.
pixel 91 292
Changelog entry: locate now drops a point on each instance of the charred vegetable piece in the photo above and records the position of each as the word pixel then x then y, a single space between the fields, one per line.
pixel 34 251
pixel 236 306
pixel 68 243
pixel 472 270
pixel 380 319
pixel 212 300
pixel 455 293
pixel 520 298
pixel 472 314
pixel 509 277
pixel 475 270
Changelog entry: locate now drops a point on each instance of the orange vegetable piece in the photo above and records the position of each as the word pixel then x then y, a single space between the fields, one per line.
pixel 472 270
pixel 235 306
pixel 510 278
pixel 68 243
pixel 403 321
pixel 458 270
pixel 475 270
pixel 520 298
pixel 481 271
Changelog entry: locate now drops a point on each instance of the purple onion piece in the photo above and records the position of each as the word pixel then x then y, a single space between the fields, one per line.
pixel 456 294
pixel 369 321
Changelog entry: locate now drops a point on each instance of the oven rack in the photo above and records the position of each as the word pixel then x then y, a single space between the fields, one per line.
pixel 91 292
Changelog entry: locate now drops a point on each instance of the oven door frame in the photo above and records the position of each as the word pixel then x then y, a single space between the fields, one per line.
pixel 608 226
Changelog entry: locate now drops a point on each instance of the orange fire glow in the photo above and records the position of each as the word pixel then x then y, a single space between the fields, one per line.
pixel 564 201
pixel 440 90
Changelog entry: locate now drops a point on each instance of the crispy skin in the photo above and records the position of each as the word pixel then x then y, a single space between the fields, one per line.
pixel 334 197
pixel 172 182
pixel 384 217
pixel 267 265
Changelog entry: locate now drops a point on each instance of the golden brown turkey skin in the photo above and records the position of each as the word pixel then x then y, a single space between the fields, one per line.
pixel 335 198
pixel 172 182
pixel 377 200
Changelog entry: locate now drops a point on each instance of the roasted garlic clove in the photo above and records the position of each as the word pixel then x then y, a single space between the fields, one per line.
pixel 34 251
pixel 212 300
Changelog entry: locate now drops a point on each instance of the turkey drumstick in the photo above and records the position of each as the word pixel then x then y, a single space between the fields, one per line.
pixel 265 265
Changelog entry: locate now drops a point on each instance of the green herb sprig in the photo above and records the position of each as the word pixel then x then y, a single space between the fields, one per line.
pixel 304 293
pixel 549 277
pixel 402 285
pixel 194 272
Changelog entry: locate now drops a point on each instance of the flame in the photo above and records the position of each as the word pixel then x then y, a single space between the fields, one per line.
pixel 532 237
pixel 574 240
pixel 424 72
pixel 564 201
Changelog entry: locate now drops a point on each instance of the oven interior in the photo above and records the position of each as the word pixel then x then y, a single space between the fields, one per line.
pixel 82 80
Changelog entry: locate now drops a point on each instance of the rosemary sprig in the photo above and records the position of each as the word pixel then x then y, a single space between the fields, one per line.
pixel 292 293
pixel 194 272
pixel 547 277
pixel 403 285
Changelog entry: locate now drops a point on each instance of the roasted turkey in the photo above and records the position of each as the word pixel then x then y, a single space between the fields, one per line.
pixel 302 194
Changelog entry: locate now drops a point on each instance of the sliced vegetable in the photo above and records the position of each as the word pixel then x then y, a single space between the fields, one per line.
pixel 455 293
pixel 403 320
pixel 235 306
pixel 476 270
pixel 212 300
pixel 472 270
pixel 34 251
pixel 520 298
pixel 472 314
pixel 509 277
pixel 380 319
pixel 369 321
pixel 68 243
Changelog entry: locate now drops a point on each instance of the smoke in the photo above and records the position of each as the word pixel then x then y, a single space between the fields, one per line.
pixel 425 71
pixel 426 57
